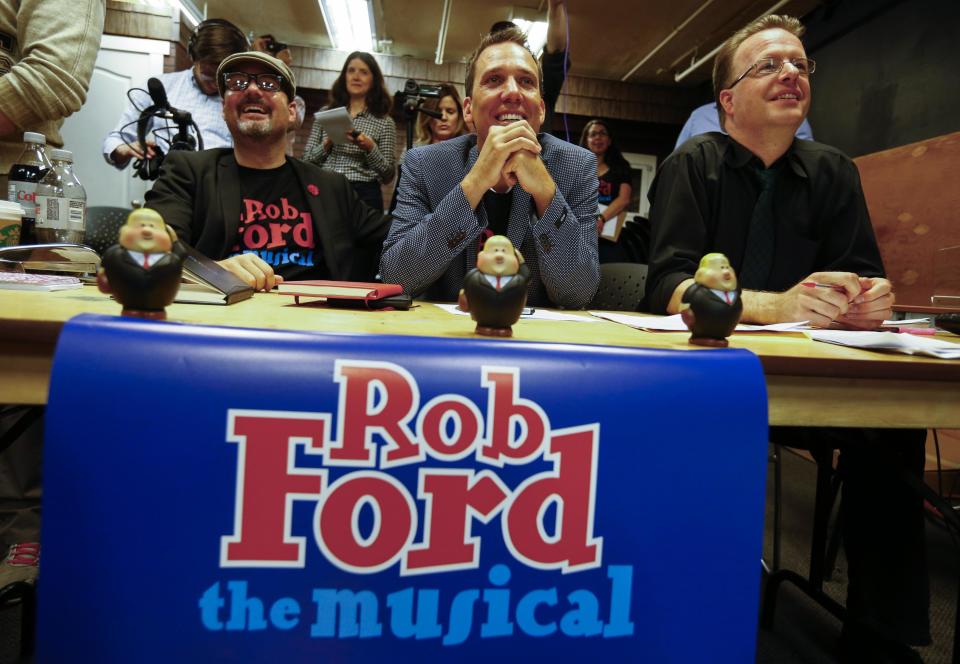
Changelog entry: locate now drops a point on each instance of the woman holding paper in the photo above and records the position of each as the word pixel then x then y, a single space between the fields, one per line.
pixel 613 190
pixel 365 156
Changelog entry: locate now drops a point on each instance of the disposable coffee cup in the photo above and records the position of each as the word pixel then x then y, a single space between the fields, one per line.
pixel 11 218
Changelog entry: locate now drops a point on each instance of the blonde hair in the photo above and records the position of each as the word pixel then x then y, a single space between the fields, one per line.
pixel 723 63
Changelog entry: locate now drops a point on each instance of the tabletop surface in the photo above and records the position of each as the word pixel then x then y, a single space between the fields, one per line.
pixel 36 317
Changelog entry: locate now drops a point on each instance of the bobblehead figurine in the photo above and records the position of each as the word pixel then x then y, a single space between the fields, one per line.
pixel 495 291
pixel 711 306
pixel 141 271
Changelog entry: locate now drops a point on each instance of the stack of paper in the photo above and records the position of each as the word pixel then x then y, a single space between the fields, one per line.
pixel 908 344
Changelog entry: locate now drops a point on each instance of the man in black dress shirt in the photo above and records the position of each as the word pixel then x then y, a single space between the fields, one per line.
pixel 789 214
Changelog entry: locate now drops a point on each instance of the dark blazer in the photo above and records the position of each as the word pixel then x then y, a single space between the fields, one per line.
pixel 198 194
pixel 715 319
pixel 496 308
pixel 137 287
pixel 433 238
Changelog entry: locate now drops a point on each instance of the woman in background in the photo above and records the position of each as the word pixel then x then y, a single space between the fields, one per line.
pixel 614 188
pixel 449 125
pixel 368 158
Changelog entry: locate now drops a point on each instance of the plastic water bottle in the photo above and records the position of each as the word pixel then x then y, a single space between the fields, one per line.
pixel 73 189
pixel 61 202
pixel 31 166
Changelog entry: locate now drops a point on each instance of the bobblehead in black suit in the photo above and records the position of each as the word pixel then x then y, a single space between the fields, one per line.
pixel 198 194
pixel 141 288
pixel 492 307
pixel 713 317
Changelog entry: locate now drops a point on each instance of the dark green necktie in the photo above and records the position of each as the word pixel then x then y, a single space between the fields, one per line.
pixel 758 255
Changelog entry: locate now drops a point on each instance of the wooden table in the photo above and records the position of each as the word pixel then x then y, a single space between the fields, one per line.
pixel 808 383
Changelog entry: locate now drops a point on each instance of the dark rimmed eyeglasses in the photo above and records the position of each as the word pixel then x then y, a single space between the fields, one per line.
pixel 239 81
pixel 773 66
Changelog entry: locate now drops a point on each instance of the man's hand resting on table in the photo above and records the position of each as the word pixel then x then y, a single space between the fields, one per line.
pixel 252 270
pixel 841 297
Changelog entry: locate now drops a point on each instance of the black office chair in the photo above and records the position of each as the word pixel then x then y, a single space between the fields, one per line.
pixel 621 288
pixel 103 225
pixel 635 239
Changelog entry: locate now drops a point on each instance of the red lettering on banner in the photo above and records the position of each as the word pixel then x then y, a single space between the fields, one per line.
pixel 454 498
pixel 432 424
pixel 505 410
pixel 366 520
pixel 571 488
pixel 337 526
pixel 375 397
pixel 268 482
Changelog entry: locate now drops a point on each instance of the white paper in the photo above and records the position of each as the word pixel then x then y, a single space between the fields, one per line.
pixel 609 231
pixel 909 344
pixel 675 323
pixel 538 314
pixel 336 122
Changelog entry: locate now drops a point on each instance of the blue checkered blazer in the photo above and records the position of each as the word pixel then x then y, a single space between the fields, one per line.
pixel 433 240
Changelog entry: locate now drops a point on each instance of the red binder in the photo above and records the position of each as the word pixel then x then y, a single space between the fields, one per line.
pixel 332 291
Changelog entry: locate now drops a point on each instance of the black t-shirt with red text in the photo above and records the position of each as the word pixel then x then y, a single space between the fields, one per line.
pixel 609 185
pixel 276 224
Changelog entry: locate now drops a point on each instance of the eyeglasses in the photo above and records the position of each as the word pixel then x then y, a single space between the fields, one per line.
pixel 773 66
pixel 240 80
pixel 596 134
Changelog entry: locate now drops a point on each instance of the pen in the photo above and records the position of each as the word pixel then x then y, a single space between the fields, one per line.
pixel 814 284
pixel 919 331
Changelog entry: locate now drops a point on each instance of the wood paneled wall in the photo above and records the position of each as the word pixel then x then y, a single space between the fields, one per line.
pixel 318 68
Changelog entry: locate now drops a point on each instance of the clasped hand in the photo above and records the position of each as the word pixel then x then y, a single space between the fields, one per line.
pixel 839 297
pixel 511 155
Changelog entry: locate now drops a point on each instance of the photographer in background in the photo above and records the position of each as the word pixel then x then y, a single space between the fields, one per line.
pixel 193 90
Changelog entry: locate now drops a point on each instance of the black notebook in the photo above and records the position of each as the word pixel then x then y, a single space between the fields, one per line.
pixel 206 282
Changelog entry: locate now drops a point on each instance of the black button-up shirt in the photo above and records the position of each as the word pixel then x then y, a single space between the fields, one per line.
pixel 704 195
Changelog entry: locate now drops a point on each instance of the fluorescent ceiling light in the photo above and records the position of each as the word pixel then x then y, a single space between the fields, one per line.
pixel 536 32
pixel 188 9
pixel 349 23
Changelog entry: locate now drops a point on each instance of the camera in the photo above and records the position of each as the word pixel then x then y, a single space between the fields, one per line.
pixel 413 89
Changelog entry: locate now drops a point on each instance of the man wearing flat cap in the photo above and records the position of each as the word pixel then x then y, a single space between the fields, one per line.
pixel 262 215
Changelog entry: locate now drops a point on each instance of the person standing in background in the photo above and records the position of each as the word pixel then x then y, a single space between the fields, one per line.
pixel 614 186
pixel 47 52
pixel 449 125
pixel 555 59
pixel 193 90
pixel 368 158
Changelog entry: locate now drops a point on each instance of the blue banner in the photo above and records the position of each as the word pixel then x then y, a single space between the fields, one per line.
pixel 222 494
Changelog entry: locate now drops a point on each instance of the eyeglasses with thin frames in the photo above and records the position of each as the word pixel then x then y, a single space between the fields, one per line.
pixel 239 81
pixel 773 66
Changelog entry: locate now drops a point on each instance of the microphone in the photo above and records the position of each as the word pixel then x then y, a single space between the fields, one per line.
pixel 157 93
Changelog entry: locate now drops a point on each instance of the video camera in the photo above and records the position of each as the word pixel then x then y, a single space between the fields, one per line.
pixel 411 99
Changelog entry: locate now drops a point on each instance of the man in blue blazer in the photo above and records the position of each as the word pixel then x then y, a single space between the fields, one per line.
pixel 506 179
